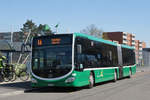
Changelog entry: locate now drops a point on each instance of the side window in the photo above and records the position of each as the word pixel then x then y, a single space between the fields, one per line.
pixel 95 54
pixel 99 56
pixel 88 55
pixel 107 56
pixel 91 61
pixel 80 59
pixel 132 57
pixel 128 56
pixel 114 56
pixel 110 55
pixel 124 56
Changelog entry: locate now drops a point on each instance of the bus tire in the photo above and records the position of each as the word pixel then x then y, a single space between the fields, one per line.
pixel 91 80
pixel 115 76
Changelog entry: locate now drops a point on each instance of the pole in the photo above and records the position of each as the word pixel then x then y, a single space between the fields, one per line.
pixel 25 59
pixel 11 44
pixel 25 44
pixel 56 30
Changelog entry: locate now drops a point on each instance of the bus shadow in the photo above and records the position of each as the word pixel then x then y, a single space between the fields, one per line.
pixel 16 85
pixel 60 89
pixel 64 89
pixel 111 81
pixel 52 90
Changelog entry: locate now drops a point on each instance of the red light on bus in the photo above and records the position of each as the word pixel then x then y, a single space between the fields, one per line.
pixel 39 42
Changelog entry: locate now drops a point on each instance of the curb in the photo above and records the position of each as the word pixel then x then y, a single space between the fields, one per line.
pixel 13 82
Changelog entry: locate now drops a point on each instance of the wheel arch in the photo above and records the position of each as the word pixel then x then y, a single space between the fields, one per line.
pixel 117 72
pixel 93 75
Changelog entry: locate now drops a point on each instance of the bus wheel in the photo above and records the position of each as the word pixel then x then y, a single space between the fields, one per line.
pixel 91 80
pixel 115 76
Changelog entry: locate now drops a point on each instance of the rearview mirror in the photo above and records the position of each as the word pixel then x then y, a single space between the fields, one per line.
pixel 81 67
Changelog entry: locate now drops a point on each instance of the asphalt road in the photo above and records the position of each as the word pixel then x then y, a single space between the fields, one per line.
pixel 135 88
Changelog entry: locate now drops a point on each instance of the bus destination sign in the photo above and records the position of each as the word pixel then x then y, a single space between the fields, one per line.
pixel 53 40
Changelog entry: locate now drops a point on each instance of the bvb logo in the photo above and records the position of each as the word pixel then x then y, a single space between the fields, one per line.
pixel 101 74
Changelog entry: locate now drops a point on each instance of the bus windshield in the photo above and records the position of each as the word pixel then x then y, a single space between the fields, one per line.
pixel 52 61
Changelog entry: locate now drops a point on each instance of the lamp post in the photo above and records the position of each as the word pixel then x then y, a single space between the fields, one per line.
pixel 56 26
pixel 11 42
pixel 25 44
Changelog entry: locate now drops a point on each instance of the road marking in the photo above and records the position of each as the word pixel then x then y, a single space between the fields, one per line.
pixel 11 93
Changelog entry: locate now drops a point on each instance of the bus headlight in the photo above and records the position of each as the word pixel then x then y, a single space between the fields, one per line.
pixel 70 79
pixel 33 80
pixel 74 74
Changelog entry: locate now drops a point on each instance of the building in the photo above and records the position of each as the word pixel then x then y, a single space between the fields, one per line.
pixel 127 39
pixel 138 50
pixel 5 48
pixel 17 36
pixel 143 44
pixel 5 41
pixel 146 56
pixel 121 37
pixel 5 36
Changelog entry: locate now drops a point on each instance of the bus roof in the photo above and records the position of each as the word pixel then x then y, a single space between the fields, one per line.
pixel 101 40
pixel 126 46
pixel 92 38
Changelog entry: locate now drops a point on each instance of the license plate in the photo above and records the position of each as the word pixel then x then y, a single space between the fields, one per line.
pixel 50 84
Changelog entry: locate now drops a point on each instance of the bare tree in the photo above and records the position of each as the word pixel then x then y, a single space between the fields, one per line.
pixel 92 30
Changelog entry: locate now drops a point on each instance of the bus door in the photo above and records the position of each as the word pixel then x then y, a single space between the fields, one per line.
pixel 119 49
pixel 120 72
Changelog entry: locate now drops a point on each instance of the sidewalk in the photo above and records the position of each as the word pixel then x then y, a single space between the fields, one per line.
pixel 142 68
pixel 16 81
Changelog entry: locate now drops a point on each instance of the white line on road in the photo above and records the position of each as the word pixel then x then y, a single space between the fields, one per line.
pixel 11 94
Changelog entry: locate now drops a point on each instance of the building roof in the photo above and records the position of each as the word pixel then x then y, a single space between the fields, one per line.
pixel 17 46
pixel 5 45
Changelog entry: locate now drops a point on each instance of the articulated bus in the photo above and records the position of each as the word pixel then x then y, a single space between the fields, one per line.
pixel 76 60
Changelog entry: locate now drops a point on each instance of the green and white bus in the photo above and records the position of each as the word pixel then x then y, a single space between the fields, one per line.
pixel 76 60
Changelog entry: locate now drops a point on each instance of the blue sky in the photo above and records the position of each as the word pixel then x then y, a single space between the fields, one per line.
pixel 73 15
